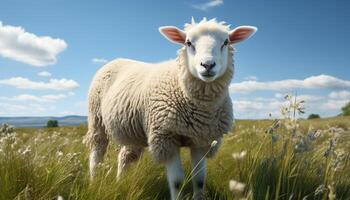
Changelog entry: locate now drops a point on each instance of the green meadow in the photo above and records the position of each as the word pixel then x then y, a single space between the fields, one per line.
pixel 263 159
pixel 285 158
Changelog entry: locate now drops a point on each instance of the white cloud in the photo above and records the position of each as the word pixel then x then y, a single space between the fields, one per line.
pixel 22 46
pixel 313 82
pixel 10 109
pixel 99 60
pixel 53 84
pixel 82 104
pixel 207 5
pixel 310 98
pixel 53 97
pixel 248 107
pixel 66 112
pixel 333 104
pixel 44 74
pixel 29 97
pixel 340 95
pixel 257 108
pixel 251 78
pixel 305 97
pixel 26 109
pixel 279 95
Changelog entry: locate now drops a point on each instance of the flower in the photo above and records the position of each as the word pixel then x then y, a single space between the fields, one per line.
pixel 239 156
pixel 26 151
pixel 313 135
pixel 236 186
pixel 59 197
pixel 59 153
pixel 288 97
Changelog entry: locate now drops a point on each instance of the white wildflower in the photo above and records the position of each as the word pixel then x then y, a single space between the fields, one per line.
pixel 313 135
pixel 66 141
pixel 59 153
pixel 26 151
pixel 236 187
pixel 59 197
pixel 288 97
pixel 239 156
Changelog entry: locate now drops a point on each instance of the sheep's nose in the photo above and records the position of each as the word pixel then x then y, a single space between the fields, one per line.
pixel 208 66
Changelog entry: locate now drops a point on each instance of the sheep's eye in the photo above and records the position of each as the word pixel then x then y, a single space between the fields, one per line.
pixel 226 42
pixel 189 44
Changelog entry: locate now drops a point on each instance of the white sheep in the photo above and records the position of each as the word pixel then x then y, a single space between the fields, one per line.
pixel 181 102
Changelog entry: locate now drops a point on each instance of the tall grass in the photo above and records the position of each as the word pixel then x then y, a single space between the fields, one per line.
pixel 286 158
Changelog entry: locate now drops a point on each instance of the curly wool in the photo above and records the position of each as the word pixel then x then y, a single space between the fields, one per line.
pixel 158 105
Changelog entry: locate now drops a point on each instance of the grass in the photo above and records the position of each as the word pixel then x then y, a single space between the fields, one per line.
pixel 281 162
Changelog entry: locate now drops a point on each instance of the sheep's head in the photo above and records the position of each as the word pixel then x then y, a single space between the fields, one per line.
pixel 206 45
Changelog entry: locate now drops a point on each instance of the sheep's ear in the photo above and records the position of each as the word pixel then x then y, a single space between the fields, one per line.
pixel 173 34
pixel 241 33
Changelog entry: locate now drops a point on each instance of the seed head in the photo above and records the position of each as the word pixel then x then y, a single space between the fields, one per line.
pixel 214 143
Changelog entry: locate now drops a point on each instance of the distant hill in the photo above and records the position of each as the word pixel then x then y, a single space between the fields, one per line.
pixel 27 122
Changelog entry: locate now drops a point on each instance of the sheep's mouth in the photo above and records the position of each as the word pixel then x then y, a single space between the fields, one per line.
pixel 208 74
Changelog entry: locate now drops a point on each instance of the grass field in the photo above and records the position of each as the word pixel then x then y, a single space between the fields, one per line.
pixel 281 159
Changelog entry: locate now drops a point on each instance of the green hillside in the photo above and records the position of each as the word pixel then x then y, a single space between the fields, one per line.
pixel 279 161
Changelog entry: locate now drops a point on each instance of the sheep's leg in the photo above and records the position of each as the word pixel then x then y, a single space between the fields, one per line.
pixel 175 175
pixel 98 141
pixel 198 172
pixel 127 155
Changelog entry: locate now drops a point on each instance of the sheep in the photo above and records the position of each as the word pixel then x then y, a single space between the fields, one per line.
pixel 183 102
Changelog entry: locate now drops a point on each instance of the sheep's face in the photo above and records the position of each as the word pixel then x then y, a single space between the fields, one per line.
pixel 207 53
pixel 206 45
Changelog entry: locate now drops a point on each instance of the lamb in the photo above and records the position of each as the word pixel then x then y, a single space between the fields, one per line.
pixel 164 106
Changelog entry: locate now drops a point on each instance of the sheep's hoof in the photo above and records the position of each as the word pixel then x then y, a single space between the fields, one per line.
pixel 198 196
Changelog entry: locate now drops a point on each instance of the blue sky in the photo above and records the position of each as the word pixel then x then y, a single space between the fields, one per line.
pixel 306 41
